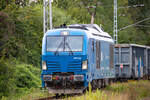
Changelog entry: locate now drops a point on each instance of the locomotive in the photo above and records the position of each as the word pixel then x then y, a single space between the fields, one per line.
pixel 74 56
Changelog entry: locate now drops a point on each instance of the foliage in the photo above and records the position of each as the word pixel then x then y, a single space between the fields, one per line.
pixel 6 83
pixel 20 46
pixel 21 32
pixel 19 39
pixel 138 14
pixel 29 94
pixel 6 3
pixel 131 90
pixel 26 76
pixel 17 78
pixel 60 17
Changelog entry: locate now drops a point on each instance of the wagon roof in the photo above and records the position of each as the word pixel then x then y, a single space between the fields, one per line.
pixel 133 45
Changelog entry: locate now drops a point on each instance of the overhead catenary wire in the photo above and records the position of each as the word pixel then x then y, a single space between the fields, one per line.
pixel 133 6
pixel 142 25
pixel 134 24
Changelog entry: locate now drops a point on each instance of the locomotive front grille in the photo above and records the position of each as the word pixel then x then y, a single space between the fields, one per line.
pixel 74 66
pixel 53 66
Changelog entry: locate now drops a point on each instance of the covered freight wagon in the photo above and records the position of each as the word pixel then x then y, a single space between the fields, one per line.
pixel 131 61
pixel 148 61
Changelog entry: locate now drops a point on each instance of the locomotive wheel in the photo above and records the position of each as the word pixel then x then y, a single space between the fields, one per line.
pixel 106 82
pixel 57 96
pixel 99 84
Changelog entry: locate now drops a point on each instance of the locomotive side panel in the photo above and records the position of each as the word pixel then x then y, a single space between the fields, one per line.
pixel 101 59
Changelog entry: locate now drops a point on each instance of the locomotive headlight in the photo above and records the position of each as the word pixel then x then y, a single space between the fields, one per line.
pixel 65 33
pixel 85 65
pixel 44 65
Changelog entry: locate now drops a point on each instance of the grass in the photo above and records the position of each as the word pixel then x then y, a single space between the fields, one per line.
pixel 131 90
pixel 30 94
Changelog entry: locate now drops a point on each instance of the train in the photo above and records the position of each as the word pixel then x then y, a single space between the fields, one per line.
pixel 75 55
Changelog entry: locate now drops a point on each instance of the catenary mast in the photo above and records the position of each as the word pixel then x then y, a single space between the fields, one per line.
pixel 115 23
pixel 47 15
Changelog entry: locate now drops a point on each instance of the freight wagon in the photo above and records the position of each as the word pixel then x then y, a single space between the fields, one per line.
pixel 132 61
pixel 148 61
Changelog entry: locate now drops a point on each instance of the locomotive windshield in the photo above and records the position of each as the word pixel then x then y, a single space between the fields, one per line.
pixel 64 43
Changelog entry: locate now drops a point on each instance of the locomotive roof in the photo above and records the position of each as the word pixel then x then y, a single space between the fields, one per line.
pixel 92 30
pixel 87 27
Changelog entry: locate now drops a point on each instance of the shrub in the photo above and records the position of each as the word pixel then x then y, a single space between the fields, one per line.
pixel 6 81
pixel 26 76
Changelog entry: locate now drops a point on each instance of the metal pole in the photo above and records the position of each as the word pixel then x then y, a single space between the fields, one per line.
pixel 44 5
pixel 50 12
pixel 47 15
pixel 115 23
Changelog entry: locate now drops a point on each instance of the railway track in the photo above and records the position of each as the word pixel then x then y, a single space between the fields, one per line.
pixel 63 96
pixel 59 97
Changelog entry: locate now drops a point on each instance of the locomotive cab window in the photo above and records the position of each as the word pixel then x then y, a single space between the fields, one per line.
pixel 65 43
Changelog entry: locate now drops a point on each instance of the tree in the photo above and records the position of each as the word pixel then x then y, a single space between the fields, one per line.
pixel 140 14
pixel 91 6
pixel 22 2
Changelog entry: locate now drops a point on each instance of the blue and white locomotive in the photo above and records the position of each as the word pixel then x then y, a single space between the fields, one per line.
pixel 74 55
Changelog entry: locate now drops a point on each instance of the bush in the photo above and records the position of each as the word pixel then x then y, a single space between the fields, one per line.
pixel 26 76
pixel 17 79
pixel 6 81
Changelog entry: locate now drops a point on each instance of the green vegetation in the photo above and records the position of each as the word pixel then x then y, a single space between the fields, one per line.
pixel 21 34
pixel 131 90
pixel 16 79
pixel 20 47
